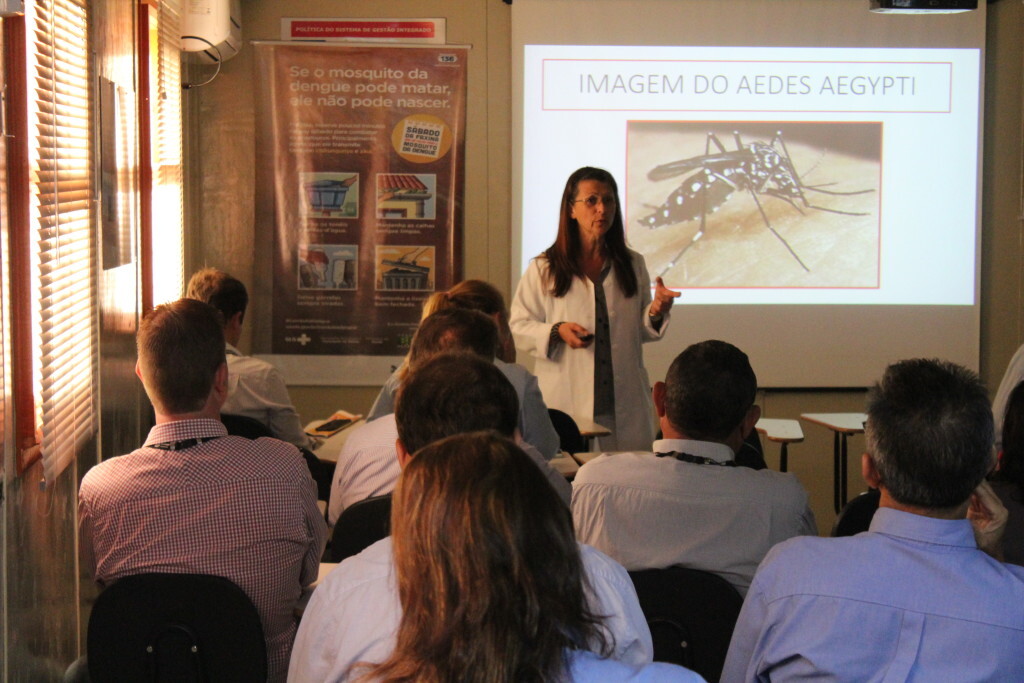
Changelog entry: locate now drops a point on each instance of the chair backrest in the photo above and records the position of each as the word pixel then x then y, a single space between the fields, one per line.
pixel 243 425
pixel 691 614
pixel 569 437
pixel 751 453
pixel 856 515
pixel 359 526
pixel 175 627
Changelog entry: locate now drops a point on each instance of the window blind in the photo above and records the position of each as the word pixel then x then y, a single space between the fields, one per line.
pixel 64 258
pixel 168 217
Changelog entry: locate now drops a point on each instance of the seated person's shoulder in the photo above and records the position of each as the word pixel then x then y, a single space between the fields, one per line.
pixel 370 434
pixel 609 465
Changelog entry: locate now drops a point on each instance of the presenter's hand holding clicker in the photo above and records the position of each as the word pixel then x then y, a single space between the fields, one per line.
pixel 575 336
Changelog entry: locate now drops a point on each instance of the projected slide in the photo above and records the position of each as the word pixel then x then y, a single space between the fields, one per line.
pixel 768 175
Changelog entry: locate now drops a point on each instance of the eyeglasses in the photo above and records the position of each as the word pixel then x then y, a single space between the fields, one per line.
pixel 591 201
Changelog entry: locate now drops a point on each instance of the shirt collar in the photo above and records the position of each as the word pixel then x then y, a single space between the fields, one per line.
pixel 951 532
pixel 185 429
pixel 718 452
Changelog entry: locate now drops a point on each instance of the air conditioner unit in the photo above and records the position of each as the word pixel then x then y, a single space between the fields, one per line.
pixel 212 29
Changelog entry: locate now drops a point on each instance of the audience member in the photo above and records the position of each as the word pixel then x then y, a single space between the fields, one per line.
pixel 196 500
pixel 255 388
pixel 354 613
pixel 477 295
pixel 489 575
pixel 367 465
pixel 687 503
pixel 1008 480
pixel 913 598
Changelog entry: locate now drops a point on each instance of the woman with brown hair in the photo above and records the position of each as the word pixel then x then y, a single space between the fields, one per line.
pixel 583 309
pixel 490 577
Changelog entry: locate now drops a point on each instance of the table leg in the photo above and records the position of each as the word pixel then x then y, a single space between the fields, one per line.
pixel 836 491
pixel 783 458
pixel 843 479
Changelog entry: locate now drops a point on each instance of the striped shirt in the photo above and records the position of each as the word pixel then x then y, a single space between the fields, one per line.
pixel 245 510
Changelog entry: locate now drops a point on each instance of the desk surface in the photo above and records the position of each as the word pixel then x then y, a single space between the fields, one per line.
pixel 780 431
pixel 564 464
pixel 330 448
pixel 589 428
pixel 844 423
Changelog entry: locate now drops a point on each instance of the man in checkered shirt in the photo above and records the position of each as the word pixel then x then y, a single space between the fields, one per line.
pixel 195 500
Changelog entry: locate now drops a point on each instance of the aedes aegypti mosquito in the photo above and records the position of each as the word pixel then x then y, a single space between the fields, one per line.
pixel 758 168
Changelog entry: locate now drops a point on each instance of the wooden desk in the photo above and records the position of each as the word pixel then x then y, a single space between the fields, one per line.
pixel 782 432
pixel 842 426
pixel 330 448
pixel 565 464
pixel 590 429
pixel 584 457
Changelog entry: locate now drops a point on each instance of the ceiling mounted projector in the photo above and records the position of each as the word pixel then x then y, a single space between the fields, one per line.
pixel 923 6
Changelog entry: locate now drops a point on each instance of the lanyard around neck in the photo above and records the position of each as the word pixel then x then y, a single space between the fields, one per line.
pixel 696 459
pixel 182 445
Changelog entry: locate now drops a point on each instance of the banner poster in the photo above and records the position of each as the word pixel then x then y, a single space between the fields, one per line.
pixel 360 152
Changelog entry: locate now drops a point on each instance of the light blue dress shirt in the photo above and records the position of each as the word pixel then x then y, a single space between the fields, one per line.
pixel 586 667
pixel 913 599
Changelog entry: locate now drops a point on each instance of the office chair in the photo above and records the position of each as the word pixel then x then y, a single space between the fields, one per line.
pixel 856 515
pixel 175 627
pixel 691 614
pixel 359 526
pixel 569 437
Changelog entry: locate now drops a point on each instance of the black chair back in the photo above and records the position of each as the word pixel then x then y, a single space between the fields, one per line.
pixel 856 515
pixel 243 425
pixel 691 614
pixel 751 453
pixel 175 627
pixel 359 526
pixel 569 437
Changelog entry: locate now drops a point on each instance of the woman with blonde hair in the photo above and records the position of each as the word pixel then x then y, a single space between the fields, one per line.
pixel 476 295
pixel 490 577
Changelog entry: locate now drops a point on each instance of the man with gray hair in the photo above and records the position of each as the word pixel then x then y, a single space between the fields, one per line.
pixel 915 597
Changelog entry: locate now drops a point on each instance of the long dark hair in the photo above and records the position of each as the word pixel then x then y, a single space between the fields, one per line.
pixel 564 256
pixel 489 572
pixel 1011 463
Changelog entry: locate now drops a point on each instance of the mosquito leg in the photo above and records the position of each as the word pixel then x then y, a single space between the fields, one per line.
pixel 817 188
pixel 782 239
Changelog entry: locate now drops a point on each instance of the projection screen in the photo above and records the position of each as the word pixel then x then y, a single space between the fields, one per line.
pixel 806 172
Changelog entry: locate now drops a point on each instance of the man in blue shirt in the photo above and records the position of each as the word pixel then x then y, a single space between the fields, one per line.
pixel 914 598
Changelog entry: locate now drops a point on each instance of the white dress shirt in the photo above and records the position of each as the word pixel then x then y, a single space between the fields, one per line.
pixel 368 466
pixel 354 614
pixel 256 389
pixel 650 512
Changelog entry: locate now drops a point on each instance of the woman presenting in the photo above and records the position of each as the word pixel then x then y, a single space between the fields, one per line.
pixel 583 308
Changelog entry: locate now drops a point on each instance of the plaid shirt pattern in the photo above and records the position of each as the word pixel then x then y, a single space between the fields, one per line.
pixel 245 510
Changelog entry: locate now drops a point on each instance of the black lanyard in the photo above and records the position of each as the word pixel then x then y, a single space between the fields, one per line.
pixel 183 444
pixel 695 459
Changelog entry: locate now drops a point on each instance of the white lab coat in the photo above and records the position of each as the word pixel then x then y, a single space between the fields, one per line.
pixel 567 377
